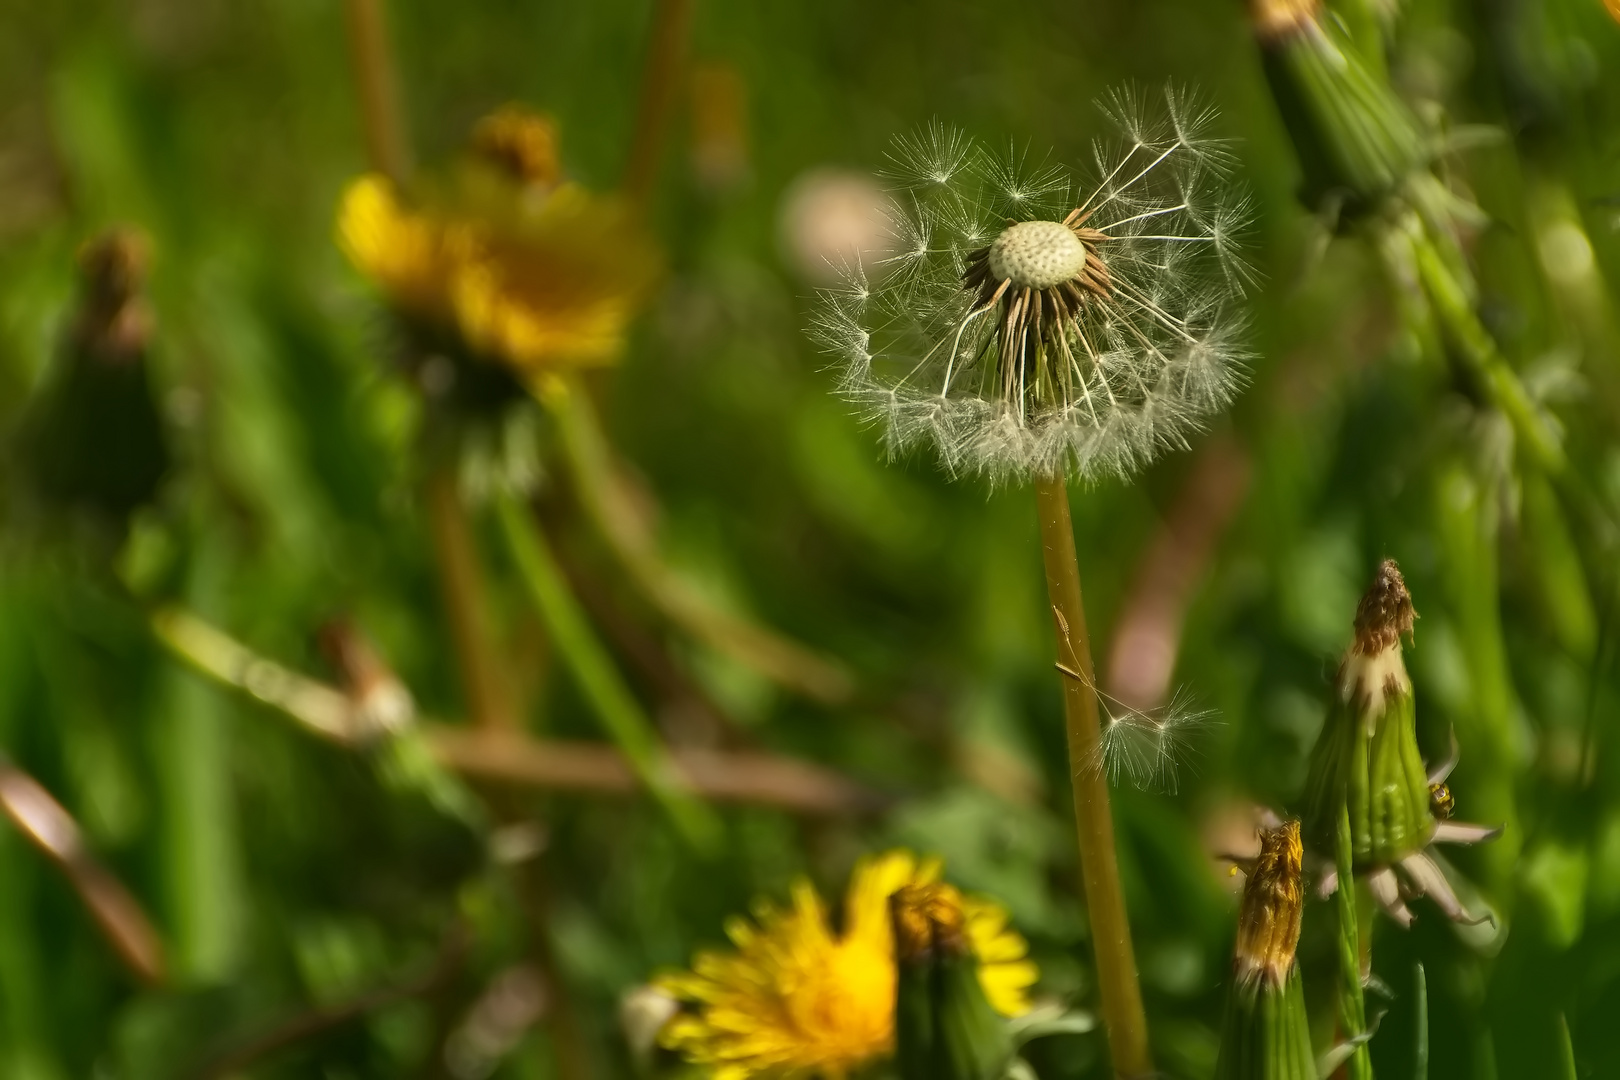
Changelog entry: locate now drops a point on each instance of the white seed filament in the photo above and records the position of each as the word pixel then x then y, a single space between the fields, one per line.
pixel 1037 255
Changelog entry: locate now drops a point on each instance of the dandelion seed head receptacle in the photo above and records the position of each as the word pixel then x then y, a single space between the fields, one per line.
pixel 1030 321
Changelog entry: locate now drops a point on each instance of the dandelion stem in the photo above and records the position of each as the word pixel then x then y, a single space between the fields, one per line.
pixel 598 679
pixel 461 580
pixel 1352 1006
pixel 611 507
pixel 666 53
pixel 381 114
pixel 1105 899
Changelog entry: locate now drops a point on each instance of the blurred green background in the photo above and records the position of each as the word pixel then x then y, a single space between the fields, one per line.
pixel 292 882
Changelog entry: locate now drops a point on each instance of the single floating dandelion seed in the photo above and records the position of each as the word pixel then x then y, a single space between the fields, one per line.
pixel 1026 324
pixel 1150 747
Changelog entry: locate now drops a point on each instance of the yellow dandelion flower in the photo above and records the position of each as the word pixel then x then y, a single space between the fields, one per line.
pixel 522 268
pixel 408 254
pixel 797 999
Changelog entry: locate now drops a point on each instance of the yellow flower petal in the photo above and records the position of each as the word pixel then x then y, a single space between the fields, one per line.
pixel 796 1000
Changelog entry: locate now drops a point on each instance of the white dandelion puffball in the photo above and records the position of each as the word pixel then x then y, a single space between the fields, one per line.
pixel 1027 321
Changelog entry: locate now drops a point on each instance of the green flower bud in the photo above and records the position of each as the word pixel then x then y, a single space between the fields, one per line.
pixel 92 443
pixel 1354 136
pixel 1366 766
pixel 945 1027
pixel 1367 754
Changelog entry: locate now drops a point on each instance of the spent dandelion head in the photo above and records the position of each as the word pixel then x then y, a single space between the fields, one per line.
pixel 797 997
pixel 1032 321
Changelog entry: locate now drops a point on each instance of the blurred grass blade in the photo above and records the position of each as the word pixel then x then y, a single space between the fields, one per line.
pixel 1566 1047
pixel 1420 1002
pixel 601 490
pixel 1352 1007
pixel 599 681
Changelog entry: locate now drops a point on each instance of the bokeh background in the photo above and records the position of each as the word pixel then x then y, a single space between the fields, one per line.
pixel 319 917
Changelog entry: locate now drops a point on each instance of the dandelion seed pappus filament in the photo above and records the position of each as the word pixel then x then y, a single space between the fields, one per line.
pixel 1031 322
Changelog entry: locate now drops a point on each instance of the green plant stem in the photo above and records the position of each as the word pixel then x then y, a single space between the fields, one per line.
pixel 601 491
pixel 1121 996
pixel 461 582
pixel 1352 1007
pixel 1474 348
pixel 596 676
pixel 381 115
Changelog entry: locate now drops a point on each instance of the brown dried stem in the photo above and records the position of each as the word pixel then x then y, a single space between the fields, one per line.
pixel 381 115
pixel 461 581
pixel 509 755
pixel 666 59
pixel 50 828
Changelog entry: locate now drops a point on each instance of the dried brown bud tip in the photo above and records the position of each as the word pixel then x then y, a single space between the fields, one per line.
pixel 1385 612
pixel 519 142
pixel 114 322
pixel 1276 19
pixel 1269 915
pixel 928 919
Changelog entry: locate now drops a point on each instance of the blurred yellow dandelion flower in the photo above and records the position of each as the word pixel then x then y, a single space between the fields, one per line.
pixel 535 273
pixel 406 253
pixel 797 998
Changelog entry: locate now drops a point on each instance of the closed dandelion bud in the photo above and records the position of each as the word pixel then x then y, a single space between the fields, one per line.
pixel 1368 746
pixel 1367 763
pixel 945 1026
pixel 1353 135
pixel 1266 1033
pixel 91 443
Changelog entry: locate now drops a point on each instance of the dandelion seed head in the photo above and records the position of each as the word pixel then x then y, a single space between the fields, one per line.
pixel 1037 254
pixel 1034 321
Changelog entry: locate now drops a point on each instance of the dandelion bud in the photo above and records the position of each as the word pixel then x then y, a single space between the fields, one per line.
pixel 1366 761
pixel 521 143
pixel 1266 1034
pixel 945 1026
pixel 1353 135
pixel 92 443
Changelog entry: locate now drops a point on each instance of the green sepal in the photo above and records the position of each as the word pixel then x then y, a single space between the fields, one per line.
pixel 1353 135
pixel 1380 778
pixel 945 1027
pixel 914 1027
pixel 1266 1032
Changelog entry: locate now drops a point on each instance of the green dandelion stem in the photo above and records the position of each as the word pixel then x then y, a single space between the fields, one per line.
pixel 1352 1007
pixel 598 680
pixel 1121 996
pixel 1472 346
pixel 602 494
